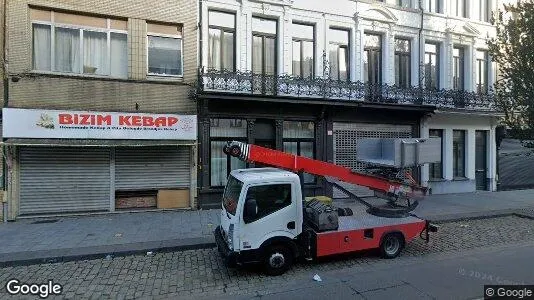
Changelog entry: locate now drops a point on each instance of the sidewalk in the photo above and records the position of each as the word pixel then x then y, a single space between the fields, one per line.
pixel 68 238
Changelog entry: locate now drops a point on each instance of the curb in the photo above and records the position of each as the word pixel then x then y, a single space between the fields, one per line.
pixel 121 250
pixel 480 216
pixel 100 252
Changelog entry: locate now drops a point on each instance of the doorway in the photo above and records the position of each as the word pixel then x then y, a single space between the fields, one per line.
pixel 481 160
pixel 264 136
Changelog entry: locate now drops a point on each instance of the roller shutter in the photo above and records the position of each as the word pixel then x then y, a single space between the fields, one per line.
pixel 149 168
pixel 346 136
pixel 63 180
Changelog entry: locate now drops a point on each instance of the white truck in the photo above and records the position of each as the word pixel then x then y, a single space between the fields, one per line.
pixel 265 220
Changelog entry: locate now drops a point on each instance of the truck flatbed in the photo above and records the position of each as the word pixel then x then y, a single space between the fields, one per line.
pixel 363 231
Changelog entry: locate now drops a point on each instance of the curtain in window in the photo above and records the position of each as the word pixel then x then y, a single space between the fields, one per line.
pixel 296 58
pixel 228 57
pixel 334 64
pixel 295 130
pixel 164 55
pixel 229 129
pixel 95 54
pixel 67 52
pixel 218 164
pixel 269 56
pixel 307 53
pixel 257 55
pixel 119 55
pixel 343 60
pixel 41 47
pixel 214 58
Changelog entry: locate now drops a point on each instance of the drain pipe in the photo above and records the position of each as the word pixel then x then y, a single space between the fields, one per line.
pixel 421 52
pixel 5 167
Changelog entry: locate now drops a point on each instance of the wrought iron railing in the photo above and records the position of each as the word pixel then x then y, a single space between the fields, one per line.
pixel 319 88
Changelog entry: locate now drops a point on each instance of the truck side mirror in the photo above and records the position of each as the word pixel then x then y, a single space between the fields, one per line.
pixel 251 210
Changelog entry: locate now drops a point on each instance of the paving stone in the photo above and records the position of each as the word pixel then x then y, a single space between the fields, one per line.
pixel 202 273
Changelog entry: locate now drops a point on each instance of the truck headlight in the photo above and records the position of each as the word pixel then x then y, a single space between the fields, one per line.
pixel 230 237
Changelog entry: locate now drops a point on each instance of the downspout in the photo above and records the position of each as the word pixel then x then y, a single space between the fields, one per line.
pixel 5 78
pixel 421 52
pixel 421 55
pixel 200 122
pixel 199 26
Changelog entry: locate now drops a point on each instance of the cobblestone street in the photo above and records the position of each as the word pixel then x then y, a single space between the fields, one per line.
pixel 202 273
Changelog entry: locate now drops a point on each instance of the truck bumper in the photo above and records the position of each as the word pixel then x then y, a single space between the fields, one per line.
pixel 229 256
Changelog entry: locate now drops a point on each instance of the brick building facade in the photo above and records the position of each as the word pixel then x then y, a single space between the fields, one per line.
pixel 99 57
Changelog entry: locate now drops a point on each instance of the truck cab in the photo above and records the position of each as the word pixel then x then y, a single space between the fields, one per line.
pixel 261 217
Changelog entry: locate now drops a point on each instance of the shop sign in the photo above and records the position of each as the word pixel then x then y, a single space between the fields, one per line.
pixel 34 123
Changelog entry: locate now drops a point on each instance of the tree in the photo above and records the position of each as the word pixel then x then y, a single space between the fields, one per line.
pixel 513 50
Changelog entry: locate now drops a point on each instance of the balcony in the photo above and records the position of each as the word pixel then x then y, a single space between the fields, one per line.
pixel 247 83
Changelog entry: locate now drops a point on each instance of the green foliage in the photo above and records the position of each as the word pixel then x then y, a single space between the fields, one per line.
pixel 513 50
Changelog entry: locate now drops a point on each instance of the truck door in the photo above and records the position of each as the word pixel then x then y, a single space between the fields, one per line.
pixel 276 214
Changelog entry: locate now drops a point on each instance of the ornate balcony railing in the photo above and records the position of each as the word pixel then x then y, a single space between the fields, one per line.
pixel 248 83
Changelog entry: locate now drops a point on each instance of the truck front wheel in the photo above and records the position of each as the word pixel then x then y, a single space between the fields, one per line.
pixel 277 260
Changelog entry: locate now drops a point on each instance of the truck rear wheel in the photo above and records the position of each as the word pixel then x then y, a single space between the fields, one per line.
pixel 391 245
pixel 277 260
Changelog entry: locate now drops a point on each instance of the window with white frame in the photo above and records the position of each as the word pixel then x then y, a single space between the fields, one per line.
pixel 79 44
pixel 405 3
pixel 303 53
pixel 432 61
pixel 433 6
pixel 484 10
pixel 165 55
pixel 482 73
pixel 458 68
pixel 459 8
pixel 403 63
pixel 221 40
pixel 339 54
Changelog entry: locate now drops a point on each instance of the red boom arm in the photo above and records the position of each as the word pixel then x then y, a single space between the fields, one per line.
pixel 294 163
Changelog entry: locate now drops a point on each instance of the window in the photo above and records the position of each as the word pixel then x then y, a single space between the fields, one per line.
pixel 405 3
pixel 436 169
pixel 459 8
pixel 303 52
pixel 299 139
pixel 164 50
pixel 269 198
pixel 372 58
pixel 78 44
pixel 221 41
pixel 231 194
pixel 433 6
pixel 458 71
pixel 431 66
pixel 263 55
pixel 458 149
pixel 222 130
pixel 482 71
pixel 339 54
pixel 484 10
pixel 403 64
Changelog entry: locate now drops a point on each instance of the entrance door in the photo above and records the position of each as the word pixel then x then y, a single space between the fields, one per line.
pixel 481 159
pixel 264 136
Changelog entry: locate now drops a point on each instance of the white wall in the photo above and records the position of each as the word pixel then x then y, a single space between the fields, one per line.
pixel 385 18
pixel 470 123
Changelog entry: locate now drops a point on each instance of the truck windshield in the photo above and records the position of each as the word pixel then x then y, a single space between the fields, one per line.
pixel 231 194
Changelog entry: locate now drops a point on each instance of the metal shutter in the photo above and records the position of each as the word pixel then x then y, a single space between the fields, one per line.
pixel 152 168
pixel 345 139
pixel 62 180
